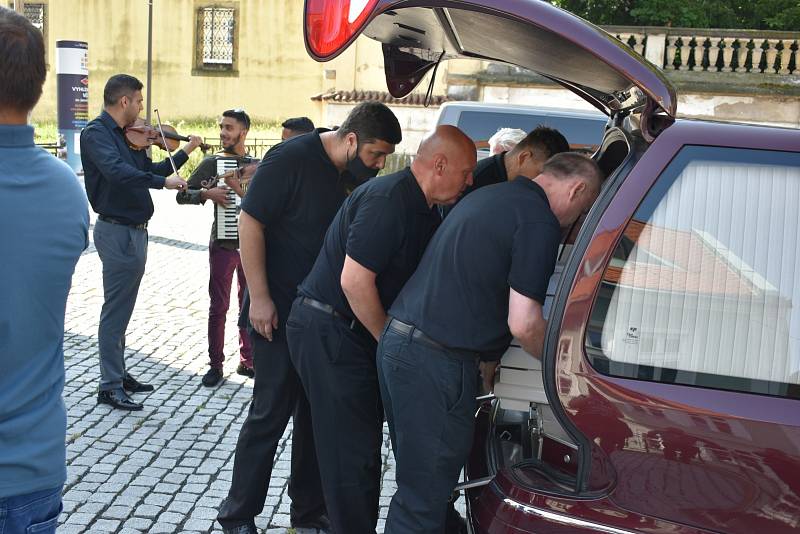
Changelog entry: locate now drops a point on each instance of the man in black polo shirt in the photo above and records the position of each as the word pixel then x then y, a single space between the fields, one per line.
pixel 525 159
pixel 481 281
pixel 118 179
pixel 372 247
pixel 292 199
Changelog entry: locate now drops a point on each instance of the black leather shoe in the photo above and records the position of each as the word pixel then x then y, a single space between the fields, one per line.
pixel 117 398
pixel 212 377
pixel 134 386
pixel 243 370
pixel 241 529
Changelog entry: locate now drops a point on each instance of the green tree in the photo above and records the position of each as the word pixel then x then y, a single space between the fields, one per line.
pixel 685 13
pixel 745 14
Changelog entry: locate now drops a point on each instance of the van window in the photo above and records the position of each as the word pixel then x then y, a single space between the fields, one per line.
pixel 580 132
pixel 704 287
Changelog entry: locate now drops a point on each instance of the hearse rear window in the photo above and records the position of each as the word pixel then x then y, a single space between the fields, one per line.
pixel 704 287
pixel 580 132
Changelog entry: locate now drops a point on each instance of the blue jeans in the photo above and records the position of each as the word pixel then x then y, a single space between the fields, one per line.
pixel 34 513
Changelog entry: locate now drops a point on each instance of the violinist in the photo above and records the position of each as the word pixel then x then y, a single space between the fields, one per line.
pixel 223 254
pixel 118 178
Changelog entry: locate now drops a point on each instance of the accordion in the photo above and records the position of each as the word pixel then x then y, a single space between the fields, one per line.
pixel 228 217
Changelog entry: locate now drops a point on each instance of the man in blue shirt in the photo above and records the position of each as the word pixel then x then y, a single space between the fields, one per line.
pixel 46 209
pixel 118 179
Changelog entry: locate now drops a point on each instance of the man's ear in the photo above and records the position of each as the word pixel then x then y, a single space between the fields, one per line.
pixel 577 189
pixel 439 164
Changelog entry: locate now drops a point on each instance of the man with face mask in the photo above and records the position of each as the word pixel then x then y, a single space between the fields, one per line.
pixel 223 254
pixel 292 199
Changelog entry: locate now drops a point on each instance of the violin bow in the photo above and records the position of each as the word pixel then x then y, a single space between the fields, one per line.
pixel 164 140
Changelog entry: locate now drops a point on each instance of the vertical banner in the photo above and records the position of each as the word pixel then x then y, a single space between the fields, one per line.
pixel 72 70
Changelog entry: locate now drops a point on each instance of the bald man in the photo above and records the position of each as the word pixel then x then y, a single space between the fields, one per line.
pixel 372 247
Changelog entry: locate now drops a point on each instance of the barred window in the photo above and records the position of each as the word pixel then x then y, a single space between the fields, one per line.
pixel 703 289
pixel 36 14
pixel 217 36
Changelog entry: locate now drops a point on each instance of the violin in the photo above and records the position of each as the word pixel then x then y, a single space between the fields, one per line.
pixel 141 136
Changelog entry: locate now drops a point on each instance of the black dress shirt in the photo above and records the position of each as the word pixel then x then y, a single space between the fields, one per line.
pixel 118 177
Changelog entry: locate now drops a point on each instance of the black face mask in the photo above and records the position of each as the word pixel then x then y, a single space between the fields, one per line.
pixel 360 172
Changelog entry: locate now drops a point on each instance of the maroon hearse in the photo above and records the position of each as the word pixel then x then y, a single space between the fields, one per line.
pixel 668 395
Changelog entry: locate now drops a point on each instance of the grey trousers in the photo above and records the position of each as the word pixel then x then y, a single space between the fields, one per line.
pixel 123 252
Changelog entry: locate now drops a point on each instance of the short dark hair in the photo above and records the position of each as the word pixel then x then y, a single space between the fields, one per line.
pixel 370 121
pixel 239 115
pixel 570 164
pixel 118 86
pixel 548 140
pixel 21 61
pixel 298 124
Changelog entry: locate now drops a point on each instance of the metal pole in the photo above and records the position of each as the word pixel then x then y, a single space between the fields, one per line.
pixel 149 58
pixel 19 6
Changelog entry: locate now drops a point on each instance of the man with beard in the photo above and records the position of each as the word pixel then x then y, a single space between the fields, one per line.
pixel 292 199
pixel 118 179
pixel 223 254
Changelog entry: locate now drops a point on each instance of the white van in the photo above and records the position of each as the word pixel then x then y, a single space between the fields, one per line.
pixel 479 120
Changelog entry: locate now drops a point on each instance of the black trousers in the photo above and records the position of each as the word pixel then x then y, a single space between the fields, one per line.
pixel 337 368
pixel 429 397
pixel 277 395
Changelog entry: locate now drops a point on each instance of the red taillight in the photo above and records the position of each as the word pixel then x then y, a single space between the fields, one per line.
pixel 331 23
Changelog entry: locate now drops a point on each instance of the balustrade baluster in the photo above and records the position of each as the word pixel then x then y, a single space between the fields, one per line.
pixel 639 44
pixel 786 56
pixel 727 54
pixel 758 53
pixel 772 55
pixel 741 55
pixel 669 60
pixel 713 53
pixel 686 50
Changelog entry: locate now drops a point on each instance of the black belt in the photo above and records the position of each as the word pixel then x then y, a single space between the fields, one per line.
pixel 111 220
pixel 352 324
pixel 421 337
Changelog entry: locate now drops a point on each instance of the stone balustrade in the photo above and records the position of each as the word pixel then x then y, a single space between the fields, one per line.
pixel 754 52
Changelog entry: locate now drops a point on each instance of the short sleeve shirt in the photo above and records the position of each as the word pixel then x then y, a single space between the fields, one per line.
pixel 295 193
pixel 384 225
pixel 499 237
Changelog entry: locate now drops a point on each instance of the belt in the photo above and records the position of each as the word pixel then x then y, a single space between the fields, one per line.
pixel 111 220
pixel 421 337
pixel 352 324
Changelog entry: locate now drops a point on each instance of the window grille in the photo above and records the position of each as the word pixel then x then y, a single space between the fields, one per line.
pixel 36 14
pixel 217 31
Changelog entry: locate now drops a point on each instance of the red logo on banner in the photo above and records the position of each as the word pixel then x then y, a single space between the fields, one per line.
pixel 85 81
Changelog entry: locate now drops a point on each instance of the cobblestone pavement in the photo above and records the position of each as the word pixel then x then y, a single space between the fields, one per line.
pixel 164 469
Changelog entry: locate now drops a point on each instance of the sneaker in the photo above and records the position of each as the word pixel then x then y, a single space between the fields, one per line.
pixel 243 370
pixel 212 377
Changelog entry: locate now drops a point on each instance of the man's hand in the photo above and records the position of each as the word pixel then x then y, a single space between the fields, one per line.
pixel 488 370
pixel 194 142
pixel 217 195
pixel 263 316
pixel 175 182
